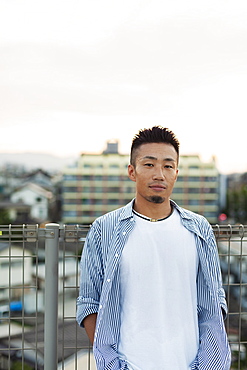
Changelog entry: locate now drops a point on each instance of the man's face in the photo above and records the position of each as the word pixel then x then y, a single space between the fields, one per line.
pixel 155 172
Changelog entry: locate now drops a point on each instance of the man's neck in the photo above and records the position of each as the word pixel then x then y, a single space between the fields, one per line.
pixel 153 210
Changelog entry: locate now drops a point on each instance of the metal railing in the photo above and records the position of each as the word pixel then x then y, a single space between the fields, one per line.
pixel 39 278
pixel 232 245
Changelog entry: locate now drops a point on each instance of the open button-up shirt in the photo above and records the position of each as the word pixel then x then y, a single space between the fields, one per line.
pixel 100 290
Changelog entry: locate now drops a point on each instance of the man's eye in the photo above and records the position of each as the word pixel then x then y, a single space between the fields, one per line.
pixel 168 166
pixel 148 164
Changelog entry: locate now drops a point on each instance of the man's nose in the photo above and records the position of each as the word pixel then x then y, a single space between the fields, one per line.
pixel 159 174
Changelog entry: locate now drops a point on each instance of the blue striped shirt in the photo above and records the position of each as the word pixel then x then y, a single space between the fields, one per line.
pixel 100 293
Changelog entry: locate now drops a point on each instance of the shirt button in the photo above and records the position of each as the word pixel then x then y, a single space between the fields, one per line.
pixel 116 255
pixel 108 280
pixel 124 233
pixel 100 307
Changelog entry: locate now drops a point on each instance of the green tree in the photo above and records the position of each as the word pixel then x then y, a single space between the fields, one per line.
pixel 18 366
pixel 237 204
pixel 4 217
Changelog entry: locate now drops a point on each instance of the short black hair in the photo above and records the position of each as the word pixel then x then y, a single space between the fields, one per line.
pixel 156 134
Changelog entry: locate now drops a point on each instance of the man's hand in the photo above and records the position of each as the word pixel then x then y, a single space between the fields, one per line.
pixel 90 323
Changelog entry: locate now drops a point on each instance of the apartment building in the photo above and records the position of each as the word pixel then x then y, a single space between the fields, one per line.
pixel 98 183
pixel 198 187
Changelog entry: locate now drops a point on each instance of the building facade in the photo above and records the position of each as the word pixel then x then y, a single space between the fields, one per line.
pixel 198 187
pixel 95 185
pixel 37 197
pixel 98 183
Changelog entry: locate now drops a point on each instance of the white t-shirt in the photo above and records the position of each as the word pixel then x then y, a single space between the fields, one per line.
pixel 159 327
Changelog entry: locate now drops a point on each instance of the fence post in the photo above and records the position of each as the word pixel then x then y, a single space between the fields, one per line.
pixel 51 296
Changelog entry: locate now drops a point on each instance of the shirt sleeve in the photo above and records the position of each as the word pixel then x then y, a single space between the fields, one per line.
pixel 214 351
pixel 91 276
pixel 216 273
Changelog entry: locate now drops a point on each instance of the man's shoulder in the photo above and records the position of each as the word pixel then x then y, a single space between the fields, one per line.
pixel 115 216
pixel 192 217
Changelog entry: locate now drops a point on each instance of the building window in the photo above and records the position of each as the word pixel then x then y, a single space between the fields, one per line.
pixel 209 190
pixel 98 189
pixel 114 189
pixel 194 190
pixel 11 264
pixel 70 214
pixel 86 201
pixel 210 178
pixel 98 201
pixel 194 178
pixel 113 178
pixel 70 201
pixel 72 177
pixel 87 213
pixel 113 201
pixel 210 202
pixel 210 214
pixel 97 214
pixel 69 178
pixel 87 189
pixel 129 189
pixel 177 191
pixel 87 177
pixel 194 167
pixel 70 189
pixel 193 202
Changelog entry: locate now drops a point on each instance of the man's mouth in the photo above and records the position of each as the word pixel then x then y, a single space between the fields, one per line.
pixel 157 187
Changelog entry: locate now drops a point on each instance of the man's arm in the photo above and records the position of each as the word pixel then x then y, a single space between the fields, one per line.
pixel 91 278
pixel 89 324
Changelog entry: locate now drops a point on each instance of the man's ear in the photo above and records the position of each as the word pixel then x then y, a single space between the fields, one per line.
pixel 131 172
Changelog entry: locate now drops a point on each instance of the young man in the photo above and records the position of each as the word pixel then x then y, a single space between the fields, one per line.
pixel 151 296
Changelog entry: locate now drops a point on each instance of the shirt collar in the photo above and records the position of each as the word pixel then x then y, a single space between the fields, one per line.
pixel 127 211
pixel 189 219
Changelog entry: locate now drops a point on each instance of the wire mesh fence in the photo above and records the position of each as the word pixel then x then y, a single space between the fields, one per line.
pixel 232 245
pixel 24 304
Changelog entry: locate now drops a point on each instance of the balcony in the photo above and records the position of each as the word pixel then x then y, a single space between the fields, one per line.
pixel 39 278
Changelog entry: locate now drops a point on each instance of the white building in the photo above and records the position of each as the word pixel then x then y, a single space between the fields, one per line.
pixel 36 197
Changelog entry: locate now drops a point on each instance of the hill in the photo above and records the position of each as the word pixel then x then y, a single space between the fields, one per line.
pixel 31 161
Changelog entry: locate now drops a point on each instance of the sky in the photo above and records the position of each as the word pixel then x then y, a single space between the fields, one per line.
pixel 76 73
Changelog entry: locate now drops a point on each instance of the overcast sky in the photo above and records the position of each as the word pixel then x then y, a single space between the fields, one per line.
pixel 76 73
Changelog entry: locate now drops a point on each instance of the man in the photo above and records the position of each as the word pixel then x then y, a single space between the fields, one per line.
pixel 151 296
